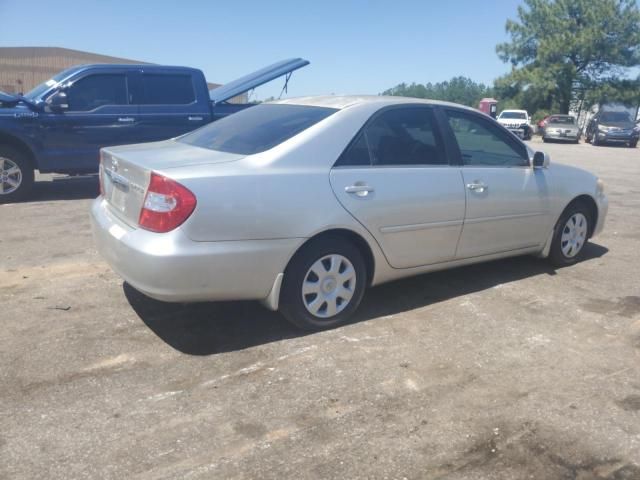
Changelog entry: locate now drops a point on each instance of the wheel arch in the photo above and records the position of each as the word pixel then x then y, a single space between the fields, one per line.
pixel 18 144
pixel 589 202
pixel 349 235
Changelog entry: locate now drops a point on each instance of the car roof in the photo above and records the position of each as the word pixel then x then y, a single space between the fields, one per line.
pixel 513 110
pixel 344 101
pixel 131 66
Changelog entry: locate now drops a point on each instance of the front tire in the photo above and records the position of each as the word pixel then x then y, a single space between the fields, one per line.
pixel 571 235
pixel 633 144
pixel 16 175
pixel 323 284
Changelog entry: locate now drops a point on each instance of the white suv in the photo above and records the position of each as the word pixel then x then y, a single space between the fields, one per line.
pixel 517 121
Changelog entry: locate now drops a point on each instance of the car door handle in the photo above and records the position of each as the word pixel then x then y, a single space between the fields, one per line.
pixel 126 119
pixel 359 190
pixel 194 119
pixel 477 187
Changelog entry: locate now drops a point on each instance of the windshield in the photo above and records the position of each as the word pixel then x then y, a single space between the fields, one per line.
pixel 256 129
pixel 517 115
pixel 615 117
pixel 562 120
pixel 44 86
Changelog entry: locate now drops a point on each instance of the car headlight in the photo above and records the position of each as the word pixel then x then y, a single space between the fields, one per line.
pixel 604 128
pixel 600 188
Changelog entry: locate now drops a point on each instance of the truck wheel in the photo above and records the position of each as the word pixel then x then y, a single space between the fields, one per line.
pixel 323 284
pixel 16 175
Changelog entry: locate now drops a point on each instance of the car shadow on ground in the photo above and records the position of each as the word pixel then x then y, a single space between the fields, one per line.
pixel 65 188
pixel 217 327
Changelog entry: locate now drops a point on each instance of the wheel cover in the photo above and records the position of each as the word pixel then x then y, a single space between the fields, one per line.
pixel 10 176
pixel 328 286
pixel 574 235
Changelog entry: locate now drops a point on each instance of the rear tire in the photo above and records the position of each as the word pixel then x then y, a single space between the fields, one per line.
pixel 323 284
pixel 571 235
pixel 16 175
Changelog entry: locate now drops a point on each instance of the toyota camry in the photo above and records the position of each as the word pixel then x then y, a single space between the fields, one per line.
pixel 304 203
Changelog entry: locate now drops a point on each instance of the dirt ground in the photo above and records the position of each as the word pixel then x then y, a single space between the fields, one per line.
pixel 505 370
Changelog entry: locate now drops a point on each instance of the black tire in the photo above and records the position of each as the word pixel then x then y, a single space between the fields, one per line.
pixel 545 140
pixel 633 144
pixel 594 141
pixel 556 255
pixel 292 303
pixel 21 161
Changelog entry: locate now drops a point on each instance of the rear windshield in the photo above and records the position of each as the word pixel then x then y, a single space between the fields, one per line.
pixel 256 129
pixel 563 120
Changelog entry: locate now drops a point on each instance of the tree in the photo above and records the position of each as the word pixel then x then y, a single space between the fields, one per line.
pixel 563 51
pixel 459 90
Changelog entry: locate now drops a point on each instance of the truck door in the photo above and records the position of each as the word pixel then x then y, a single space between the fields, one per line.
pixel 169 105
pixel 99 114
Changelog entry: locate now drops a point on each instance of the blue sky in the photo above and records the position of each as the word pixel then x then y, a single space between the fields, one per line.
pixel 354 46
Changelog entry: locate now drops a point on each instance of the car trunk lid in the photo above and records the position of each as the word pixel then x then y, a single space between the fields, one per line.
pixel 125 171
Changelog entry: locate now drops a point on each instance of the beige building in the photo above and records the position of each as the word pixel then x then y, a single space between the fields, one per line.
pixel 22 68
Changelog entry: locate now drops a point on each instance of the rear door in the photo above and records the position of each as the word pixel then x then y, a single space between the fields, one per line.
pixel 395 179
pixel 507 199
pixel 168 104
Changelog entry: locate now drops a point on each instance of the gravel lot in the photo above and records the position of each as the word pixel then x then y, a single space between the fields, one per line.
pixel 504 370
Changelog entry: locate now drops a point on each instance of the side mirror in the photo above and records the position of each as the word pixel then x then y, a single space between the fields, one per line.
pixel 58 102
pixel 540 160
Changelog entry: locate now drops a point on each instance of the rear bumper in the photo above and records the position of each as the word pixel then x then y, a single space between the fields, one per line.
pixel 171 267
pixel 557 136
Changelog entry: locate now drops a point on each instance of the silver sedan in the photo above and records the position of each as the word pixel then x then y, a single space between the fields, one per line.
pixel 304 203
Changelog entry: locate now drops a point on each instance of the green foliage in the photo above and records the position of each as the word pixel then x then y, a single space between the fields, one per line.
pixel 566 51
pixel 459 90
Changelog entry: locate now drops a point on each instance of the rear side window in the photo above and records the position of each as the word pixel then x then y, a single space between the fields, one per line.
pixel 94 91
pixel 483 144
pixel 256 129
pixel 397 137
pixel 167 89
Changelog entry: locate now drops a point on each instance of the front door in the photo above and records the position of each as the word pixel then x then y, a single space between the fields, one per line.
pixel 99 115
pixel 395 180
pixel 507 199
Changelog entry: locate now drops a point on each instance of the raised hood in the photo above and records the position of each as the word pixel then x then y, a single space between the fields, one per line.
pixel 255 79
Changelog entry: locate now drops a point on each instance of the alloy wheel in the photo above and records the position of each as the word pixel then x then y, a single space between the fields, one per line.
pixel 10 176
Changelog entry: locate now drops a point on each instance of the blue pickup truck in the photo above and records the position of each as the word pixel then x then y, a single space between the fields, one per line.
pixel 60 125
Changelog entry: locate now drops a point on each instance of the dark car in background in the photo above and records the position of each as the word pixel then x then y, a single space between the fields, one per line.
pixel 613 127
pixel 561 128
pixel 60 126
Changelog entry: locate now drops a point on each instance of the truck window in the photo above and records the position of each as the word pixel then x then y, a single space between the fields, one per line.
pixel 167 89
pixel 94 91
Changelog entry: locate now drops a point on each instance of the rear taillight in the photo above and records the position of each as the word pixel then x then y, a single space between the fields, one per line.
pixel 167 205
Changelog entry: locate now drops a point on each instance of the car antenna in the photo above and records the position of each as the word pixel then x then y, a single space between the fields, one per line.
pixel 286 84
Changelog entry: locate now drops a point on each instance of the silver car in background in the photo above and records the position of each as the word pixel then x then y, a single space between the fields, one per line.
pixel 303 203
pixel 561 128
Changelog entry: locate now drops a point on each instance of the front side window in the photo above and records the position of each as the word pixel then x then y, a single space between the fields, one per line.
pixel 94 91
pixel 256 129
pixel 167 89
pixel 483 144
